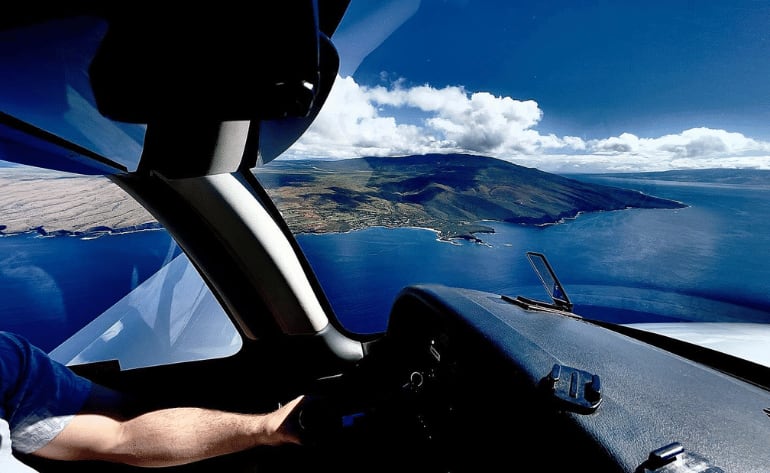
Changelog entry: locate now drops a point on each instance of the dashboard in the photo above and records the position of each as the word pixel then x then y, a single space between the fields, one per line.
pixel 470 381
pixel 476 381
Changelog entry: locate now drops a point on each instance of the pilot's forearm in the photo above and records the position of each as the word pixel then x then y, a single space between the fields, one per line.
pixel 176 436
pixel 170 436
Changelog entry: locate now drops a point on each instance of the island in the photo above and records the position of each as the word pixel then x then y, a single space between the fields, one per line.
pixel 453 195
pixel 53 203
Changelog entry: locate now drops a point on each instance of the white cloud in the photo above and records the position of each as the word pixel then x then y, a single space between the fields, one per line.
pixel 692 143
pixel 350 125
pixel 370 121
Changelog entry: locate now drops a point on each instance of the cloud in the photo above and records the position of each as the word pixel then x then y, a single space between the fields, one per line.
pixel 350 125
pixel 692 143
pixel 399 120
pixel 358 120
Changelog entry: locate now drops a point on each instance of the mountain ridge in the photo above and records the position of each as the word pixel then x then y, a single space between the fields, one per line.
pixel 448 193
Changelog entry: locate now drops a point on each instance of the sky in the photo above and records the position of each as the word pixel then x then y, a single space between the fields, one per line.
pixel 564 86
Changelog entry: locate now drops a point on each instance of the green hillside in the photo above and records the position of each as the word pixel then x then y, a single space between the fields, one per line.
pixel 448 193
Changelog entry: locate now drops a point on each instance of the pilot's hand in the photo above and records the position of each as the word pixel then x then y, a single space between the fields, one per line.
pixel 284 422
pixel 308 419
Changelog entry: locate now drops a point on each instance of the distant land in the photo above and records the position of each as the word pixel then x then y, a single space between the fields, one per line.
pixel 451 194
pixel 55 203
pixel 741 177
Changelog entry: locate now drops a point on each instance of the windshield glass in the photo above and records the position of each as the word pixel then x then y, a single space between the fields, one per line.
pixel 45 83
pixel 627 142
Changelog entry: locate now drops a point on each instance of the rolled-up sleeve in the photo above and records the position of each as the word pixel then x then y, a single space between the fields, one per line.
pixel 38 395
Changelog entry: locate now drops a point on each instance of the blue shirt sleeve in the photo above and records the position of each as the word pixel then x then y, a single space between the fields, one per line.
pixel 38 396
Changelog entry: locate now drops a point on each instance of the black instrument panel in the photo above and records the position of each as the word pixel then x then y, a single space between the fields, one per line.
pixel 490 382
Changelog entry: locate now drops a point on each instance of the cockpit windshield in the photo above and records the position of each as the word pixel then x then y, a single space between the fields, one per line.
pixel 625 142
pixel 45 83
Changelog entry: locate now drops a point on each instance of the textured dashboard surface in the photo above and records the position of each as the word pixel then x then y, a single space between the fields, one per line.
pixel 490 362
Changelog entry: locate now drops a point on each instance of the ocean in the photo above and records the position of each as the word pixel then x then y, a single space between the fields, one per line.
pixel 707 262
pixel 52 286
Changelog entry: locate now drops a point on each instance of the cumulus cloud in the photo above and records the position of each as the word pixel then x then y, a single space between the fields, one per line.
pixel 358 120
pixel 398 120
pixel 692 143
pixel 350 125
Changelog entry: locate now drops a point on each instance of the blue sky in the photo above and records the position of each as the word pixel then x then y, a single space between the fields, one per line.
pixel 560 85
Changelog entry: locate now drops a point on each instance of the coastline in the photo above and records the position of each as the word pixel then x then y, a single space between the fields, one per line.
pixel 90 233
pixel 58 204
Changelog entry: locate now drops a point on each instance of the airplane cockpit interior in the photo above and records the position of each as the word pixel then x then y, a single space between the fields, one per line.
pixel 176 109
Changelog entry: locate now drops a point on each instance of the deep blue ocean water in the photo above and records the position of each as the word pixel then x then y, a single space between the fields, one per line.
pixel 53 286
pixel 709 261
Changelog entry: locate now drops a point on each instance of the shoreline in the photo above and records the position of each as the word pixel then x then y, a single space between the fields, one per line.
pixel 91 206
pixel 467 232
pixel 94 232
